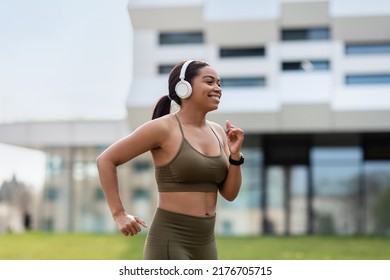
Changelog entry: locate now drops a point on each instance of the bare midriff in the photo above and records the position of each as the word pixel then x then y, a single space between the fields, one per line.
pixel 199 204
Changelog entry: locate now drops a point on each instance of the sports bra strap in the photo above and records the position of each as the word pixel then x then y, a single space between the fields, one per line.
pixel 219 142
pixel 181 129
pixel 182 133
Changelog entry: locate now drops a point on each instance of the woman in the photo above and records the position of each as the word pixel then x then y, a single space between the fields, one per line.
pixel 194 160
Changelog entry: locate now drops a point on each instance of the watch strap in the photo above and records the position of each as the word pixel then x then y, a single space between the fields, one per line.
pixel 236 162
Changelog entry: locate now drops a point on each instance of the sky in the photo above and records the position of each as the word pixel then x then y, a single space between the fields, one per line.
pixel 64 59
pixel 61 60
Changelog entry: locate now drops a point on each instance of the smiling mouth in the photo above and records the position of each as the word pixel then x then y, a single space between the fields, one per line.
pixel 215 96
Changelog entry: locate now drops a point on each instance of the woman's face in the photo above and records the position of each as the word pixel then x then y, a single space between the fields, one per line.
pixel 206 88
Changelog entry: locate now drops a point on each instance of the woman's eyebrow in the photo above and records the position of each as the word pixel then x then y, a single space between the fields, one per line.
pixel 212 77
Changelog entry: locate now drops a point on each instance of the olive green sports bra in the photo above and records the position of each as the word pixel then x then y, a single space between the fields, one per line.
pixel 191 171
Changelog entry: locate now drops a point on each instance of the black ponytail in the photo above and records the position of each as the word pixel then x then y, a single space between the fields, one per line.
pixel 163 107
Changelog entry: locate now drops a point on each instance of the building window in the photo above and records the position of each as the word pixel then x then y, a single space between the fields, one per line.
pixel 306 65
pixel 48 224
pixel 337 186
pixel 55 165
pixel 367 48
pixel 243 82
pixel 52 194
pixel 375 79
pixel 242 52
pixel 84 170
pixel 307 34
pixel 227 227
pixel 165 68
pixel 174 38
pixel 99 194
pixel 141 166
pixel 140 194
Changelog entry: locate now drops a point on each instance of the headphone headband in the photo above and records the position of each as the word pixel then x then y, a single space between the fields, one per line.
pixel 184 69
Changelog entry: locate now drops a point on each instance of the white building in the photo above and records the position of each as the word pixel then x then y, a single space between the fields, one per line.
pixel 308 81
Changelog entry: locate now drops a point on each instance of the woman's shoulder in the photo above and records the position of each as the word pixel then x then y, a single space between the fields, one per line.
pixel 216 126
pixel 162 123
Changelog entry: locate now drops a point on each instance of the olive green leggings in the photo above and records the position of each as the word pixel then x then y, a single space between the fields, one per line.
pixel 174 236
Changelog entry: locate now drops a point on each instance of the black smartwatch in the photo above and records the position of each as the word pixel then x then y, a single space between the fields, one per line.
pixel 236 162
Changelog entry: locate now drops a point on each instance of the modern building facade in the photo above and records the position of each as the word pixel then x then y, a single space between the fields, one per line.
pixel 71 198
pixel 308 81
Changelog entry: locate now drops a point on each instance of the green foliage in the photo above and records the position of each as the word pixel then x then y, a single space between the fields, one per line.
pixel 46 246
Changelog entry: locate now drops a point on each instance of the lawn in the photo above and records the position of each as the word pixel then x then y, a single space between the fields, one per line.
pixel 49 246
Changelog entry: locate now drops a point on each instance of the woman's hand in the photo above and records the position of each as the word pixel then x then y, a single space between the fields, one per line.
pixel 235 137
pixel 128 224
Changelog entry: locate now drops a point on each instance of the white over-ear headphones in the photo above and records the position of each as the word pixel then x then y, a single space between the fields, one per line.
pixel 183 88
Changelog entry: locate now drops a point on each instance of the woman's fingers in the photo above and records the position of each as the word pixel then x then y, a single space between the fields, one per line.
pixel 130 225
pixel 141 222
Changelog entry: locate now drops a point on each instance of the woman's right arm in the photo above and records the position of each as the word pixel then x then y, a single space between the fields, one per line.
pixel 147 137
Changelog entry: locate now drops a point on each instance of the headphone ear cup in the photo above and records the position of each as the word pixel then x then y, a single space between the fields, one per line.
pixel 183 89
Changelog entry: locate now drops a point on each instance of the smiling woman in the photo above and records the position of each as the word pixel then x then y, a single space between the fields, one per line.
pixel 194 159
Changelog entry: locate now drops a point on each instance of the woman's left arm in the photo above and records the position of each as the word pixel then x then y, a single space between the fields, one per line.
pixel 232 140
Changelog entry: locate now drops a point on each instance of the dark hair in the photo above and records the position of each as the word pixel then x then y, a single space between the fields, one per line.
pixel 163 106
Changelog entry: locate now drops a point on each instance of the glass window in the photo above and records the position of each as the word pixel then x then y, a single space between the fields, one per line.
pixel 298 199
pixel 287 188
pixel 142 165
pixel 48 224
pixel 365 48
pixel 339 155
pixel 377 187
pixel 275 194
pixel 99 194
pixel 165 68
pixel 241 52
pixel 227 227
pixel 367 79
pixel 84 170
pixel 337 189
pixel 174 38
pixel 55 165
pixel 306 65
pixel 140 194
pixel 305 34
pixel 52 194
pixel 243 82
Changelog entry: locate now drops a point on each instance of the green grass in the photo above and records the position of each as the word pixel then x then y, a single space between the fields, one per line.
pixel 49 246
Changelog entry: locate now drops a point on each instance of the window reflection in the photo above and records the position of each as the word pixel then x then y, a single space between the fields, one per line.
pixel 287 199
pixel 336 180
pixel 367 48
pixel 174 38
pixel 227 82
pixel 306 34
pixel 377 182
